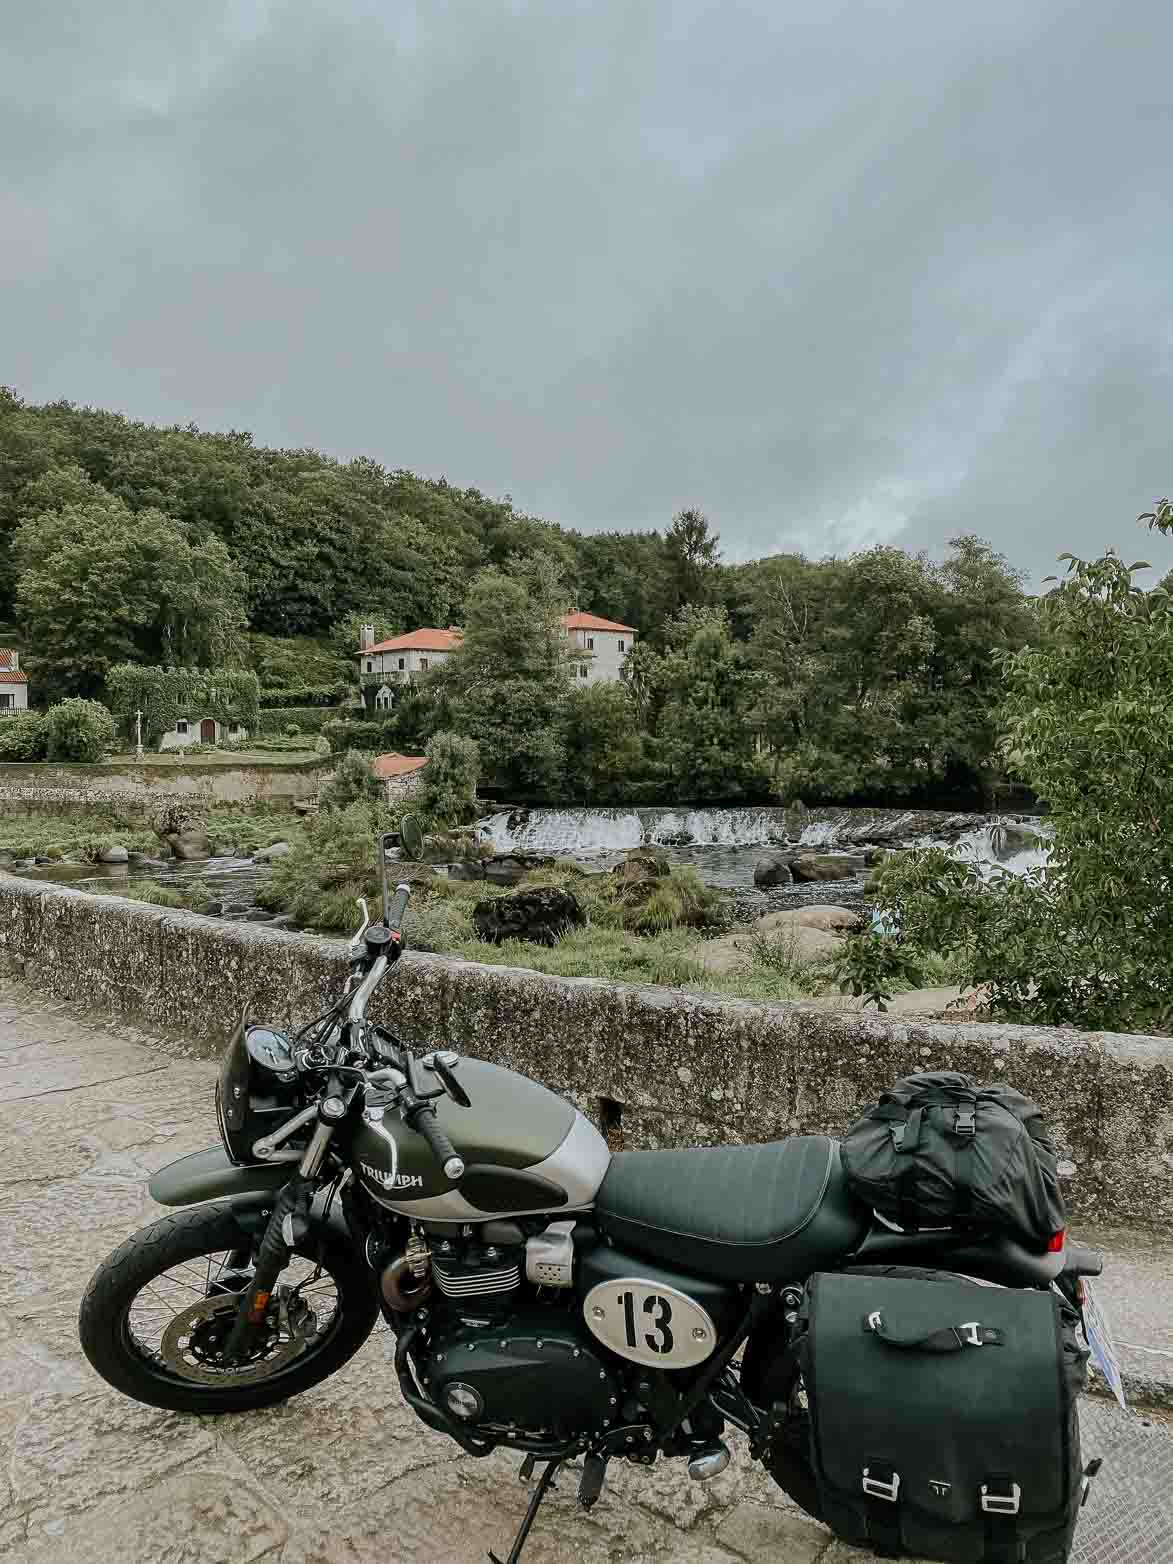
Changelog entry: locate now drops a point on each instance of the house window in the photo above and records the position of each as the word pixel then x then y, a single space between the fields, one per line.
pixel 582 670
pixel 590 643
pixel 623 646
pixel 370 666
pixel 181 726
pixel 424 665
pixel 7 702
pixel 402 664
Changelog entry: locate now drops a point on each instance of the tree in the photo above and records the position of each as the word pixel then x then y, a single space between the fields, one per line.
pixel 78 730
pixel 98 585
pixel 1087 718
pixel 691 558
pixel 449 792
pixel 507 685
pixel 705 734
pixel 604 746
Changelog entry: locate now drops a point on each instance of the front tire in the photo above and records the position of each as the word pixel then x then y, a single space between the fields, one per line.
pixel 157 1309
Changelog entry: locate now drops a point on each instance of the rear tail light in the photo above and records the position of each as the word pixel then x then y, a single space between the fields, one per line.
pixel 1057 1241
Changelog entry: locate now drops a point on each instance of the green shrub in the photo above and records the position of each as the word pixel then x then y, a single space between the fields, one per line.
pixel 79 730
pixel 449 792
pixel 320 695
pixel 23 737
pixel 293 730
pixel 333 864
pixel 353 782
pixel 309 719
pixel 355 733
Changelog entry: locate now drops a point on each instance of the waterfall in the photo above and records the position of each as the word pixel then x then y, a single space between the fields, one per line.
pixel 986 840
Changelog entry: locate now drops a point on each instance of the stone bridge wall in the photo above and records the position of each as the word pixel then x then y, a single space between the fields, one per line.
pixel 78 788
pixel 680 1068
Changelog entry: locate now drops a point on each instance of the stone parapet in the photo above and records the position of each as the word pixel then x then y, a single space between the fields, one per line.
pixel 659 1066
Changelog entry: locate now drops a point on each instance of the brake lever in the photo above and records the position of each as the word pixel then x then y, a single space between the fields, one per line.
pixel 452 1086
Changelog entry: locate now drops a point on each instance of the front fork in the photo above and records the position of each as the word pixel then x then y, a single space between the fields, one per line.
pixel 288 1224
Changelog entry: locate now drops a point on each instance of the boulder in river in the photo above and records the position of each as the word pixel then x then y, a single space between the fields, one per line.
pixel 541 916
pixel 773 869
pixel 114 855
pixel 267 854
pixel 827 866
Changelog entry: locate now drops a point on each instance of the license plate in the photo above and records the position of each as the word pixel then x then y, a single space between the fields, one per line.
pixel 1099 1339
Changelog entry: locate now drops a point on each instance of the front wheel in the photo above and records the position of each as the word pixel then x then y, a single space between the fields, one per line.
pixel 157 1313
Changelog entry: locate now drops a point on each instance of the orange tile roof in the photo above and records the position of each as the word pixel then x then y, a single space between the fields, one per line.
pixel 417 641
pixel 9 674
pixel 593 622
pixel 386 767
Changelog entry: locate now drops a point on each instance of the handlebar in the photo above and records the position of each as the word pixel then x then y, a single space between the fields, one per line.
pixel 398 907
pixel 423 1120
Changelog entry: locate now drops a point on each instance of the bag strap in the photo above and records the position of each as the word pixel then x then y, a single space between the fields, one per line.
pixel 949 1338
pixel 1000 1500
pixel 881 1503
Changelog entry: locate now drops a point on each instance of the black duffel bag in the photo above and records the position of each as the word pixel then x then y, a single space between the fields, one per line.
pixel 942 1417
pixel 939 1151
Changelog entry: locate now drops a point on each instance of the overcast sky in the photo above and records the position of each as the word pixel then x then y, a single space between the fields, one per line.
pixel 837 273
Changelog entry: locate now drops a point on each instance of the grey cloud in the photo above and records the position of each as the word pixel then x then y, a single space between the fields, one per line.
pixel 835 273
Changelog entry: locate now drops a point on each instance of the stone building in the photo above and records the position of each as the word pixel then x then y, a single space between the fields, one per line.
pixel 386 664
pixel 14 685
pixel 602 645
pixel 200 730
pixel 402 775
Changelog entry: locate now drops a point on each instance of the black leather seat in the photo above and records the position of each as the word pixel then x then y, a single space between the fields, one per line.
pixel 742 1213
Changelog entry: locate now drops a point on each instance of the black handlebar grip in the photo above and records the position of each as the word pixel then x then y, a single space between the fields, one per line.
pixel 398 906
pixel 445 1152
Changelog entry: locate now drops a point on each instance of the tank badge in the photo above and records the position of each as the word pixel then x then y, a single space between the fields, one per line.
pixel 393 1180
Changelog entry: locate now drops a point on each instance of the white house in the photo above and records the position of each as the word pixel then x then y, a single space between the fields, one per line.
pixel 14 685
pixel 603 646
pixel 200 730
pixel 403 658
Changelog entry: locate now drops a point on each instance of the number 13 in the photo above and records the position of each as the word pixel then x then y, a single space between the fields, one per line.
pixel 663 1341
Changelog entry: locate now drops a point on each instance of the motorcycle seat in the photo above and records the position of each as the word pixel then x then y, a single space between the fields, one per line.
pixel 741 1213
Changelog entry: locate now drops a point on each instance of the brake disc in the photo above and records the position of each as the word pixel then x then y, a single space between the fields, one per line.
pixel 190 1344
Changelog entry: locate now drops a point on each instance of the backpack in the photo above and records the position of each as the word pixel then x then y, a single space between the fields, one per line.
pixel 942 1416
pixel 939 1151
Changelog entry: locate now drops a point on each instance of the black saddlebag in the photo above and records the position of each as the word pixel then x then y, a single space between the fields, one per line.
pixel 942 1417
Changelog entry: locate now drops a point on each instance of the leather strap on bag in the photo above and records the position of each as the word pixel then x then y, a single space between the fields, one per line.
pixel 949 1338
pixel 999 1499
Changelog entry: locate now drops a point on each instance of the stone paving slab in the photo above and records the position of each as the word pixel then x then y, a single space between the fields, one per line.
pixel 344 1474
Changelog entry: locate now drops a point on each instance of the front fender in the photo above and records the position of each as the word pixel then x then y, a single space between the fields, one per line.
pixel 212 1175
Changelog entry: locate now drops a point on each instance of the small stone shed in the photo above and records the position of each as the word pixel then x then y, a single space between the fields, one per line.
pixel 402 775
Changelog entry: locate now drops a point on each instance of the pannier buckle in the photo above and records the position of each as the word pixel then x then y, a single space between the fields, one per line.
pixel 1002 1503
pixel 965 1122
pixel 971 1333
pixel 881 1489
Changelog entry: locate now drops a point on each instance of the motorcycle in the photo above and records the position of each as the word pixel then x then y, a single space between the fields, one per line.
pixel 544 1294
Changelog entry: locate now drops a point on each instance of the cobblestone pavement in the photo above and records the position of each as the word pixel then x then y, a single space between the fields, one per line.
pixel 343 1474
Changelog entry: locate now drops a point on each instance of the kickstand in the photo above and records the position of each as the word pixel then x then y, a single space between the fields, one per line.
pixel 544 1484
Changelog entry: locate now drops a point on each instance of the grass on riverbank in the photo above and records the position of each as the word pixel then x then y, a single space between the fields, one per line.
pixel 50 834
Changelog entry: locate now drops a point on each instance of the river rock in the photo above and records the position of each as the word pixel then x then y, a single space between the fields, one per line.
pixel 803 945
pixel 827 866
pixel 192 845
pixel 283 920
pixel 278 850
pixel 512 868
pixel 829 918
pixel 114 855
pixel 212 909
pixel 641 864
pixel 540 916
pixel 773 869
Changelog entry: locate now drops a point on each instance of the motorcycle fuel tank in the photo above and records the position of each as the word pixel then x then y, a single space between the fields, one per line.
pixel 524 1149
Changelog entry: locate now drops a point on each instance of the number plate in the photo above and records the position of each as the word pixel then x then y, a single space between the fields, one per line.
pixel 649 1323
pixel 1099 1339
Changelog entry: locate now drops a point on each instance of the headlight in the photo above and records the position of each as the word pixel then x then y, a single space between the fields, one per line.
pixel 256 1089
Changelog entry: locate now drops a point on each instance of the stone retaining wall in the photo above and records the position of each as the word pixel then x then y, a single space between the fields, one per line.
pixel 24 788
pixel 676 1068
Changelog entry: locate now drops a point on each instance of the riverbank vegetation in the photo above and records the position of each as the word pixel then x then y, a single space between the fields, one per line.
pixel 1086 941
pixel 868 677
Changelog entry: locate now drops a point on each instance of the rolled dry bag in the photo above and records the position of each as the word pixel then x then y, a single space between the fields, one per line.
pixel 940 1151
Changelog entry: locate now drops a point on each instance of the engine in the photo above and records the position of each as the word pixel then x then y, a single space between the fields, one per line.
pixel 501 1345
